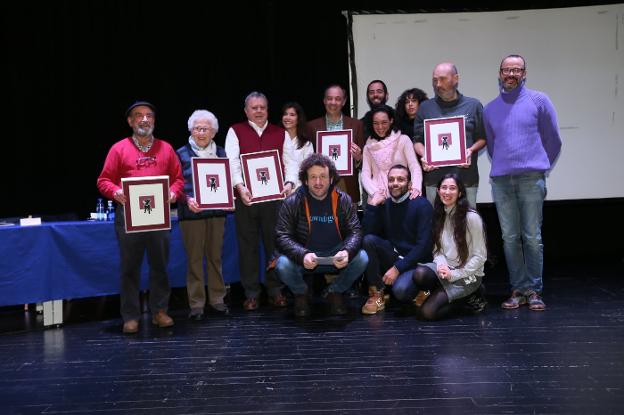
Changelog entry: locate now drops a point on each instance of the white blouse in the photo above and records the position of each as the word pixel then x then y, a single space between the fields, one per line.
pixel 293 157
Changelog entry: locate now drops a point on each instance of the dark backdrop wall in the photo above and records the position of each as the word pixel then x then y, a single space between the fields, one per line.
pixel 74 67
pixel 71 68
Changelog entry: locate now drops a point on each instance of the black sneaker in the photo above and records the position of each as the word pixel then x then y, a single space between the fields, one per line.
pixel 220 308
pixel 196 314
pixel 476 302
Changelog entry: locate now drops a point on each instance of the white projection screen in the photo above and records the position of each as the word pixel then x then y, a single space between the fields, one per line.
pixel 575 55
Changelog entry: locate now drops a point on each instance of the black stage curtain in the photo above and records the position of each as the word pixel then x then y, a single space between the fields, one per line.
pixel 74 67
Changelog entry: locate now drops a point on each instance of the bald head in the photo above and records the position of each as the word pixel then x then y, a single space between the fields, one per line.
pixel 445 80
pixel 447 67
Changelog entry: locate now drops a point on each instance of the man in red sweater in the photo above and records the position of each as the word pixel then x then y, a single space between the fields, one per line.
pixel 137 156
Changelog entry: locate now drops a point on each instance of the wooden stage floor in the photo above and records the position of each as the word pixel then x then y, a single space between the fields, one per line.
pixel 566 360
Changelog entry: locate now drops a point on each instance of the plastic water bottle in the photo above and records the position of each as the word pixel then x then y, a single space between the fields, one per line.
pixel 110 211
pixel 100 213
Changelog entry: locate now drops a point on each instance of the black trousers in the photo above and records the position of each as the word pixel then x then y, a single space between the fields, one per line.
pixel 132 247
pixel 381 256
pixel 252 223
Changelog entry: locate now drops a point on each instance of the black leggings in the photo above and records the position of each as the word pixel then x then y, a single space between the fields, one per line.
pixel 437 305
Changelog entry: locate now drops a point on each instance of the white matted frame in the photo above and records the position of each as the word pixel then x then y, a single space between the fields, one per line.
pixel 337 146
pixel 212 183
pixel 445 141
pixel 147 203
pixel 262 172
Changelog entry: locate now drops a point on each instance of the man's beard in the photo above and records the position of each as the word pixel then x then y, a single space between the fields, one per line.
pixel 445 95
pixel 399 192
pixel 519 83
pixel 372 105
pixel 144 131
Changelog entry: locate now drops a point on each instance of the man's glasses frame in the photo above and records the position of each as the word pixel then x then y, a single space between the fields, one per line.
pixel 512 71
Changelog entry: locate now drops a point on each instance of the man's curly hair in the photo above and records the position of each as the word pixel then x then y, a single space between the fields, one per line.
pixel 320 160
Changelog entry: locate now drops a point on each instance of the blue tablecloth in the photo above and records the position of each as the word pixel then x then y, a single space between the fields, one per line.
pixel 64 260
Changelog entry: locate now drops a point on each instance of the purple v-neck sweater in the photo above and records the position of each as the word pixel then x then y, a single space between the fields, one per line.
pixel 522 132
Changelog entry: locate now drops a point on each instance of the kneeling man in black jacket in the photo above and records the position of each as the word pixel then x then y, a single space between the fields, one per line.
pixel 318 232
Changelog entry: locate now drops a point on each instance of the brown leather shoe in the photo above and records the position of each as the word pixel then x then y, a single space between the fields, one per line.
pixel 130 327
pixel 336 304
pixel 278 300
pixel 162 320
pixel 302 306
pixel 250 304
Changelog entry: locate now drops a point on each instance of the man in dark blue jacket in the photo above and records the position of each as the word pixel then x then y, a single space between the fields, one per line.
pixel 397 237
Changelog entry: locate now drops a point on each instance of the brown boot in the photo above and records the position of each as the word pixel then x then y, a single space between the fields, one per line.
pixel 336 304
pixel 376 301
pixel 162 320
pixel 302 305
pixel 421 297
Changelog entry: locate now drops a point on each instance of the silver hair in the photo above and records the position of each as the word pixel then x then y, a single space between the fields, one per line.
pixel 203 115
pixel 255 94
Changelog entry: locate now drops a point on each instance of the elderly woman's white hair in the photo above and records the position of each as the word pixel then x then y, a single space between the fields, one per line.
pixel 203 115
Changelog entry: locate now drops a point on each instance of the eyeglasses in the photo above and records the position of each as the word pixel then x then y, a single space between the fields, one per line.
pixel 202 129
pixel 146 161
pixel 512 71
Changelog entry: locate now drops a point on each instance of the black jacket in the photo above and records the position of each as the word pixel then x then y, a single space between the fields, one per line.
pixel 293 224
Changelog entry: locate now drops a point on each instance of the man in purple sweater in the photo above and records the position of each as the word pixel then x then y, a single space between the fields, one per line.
pixel 523 142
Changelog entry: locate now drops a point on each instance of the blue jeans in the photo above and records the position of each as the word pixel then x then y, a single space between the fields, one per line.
pixel 404 287
pixel 291 273
pixel 471 195
pixel 519 200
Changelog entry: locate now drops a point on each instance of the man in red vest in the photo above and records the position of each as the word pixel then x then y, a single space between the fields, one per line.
pixel 253 221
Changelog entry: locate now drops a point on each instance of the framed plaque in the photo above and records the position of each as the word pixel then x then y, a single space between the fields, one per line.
pixel 445 141
pixel 147 203
pixel 262 172
pixel 337 146
pixel 212 183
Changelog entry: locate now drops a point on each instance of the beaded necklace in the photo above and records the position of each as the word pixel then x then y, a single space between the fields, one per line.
pixel 146 147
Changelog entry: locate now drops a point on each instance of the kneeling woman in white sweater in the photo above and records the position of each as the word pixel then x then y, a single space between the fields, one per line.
pixel 459 253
